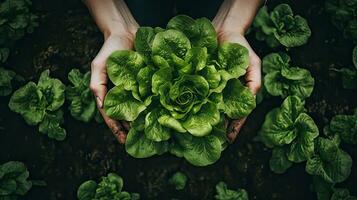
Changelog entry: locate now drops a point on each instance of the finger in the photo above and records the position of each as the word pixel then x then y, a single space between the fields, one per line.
pixel 98 86
pixel 254 75
pixel 98 81
pixel 126 125
pixel 234 128
pixel 115 127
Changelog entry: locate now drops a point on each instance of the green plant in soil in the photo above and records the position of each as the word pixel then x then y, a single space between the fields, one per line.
pixel 40 104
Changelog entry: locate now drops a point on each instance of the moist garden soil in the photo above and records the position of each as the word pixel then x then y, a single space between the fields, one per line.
pixel 68 38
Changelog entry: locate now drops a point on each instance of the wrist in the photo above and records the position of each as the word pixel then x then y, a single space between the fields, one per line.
pixel 123 33
pixel 232 30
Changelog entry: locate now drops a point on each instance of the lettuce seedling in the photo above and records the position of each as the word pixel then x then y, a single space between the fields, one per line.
pixel 345 126
pixel 110 187
pixel 174 89
pixel 40 104
pixel 223 193
pixel 178 180
pixel 6 76
pixel 13 180
pixel 281 26
pixel 343 16
pixel 342 193
pixel 291 130
pixel 329 162
pixel 282 79
pixel 16 20
pixel 349 76
pixel 279 161
pixel 4 54
pixel 82 104
pixel 325 190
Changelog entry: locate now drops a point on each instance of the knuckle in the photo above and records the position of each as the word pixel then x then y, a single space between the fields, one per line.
pixel 93 87
pixel 256 61
pixel 96 63
pixel 258 86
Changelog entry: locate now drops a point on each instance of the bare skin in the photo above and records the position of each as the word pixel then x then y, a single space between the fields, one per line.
pixel 231 22
pixel 118 27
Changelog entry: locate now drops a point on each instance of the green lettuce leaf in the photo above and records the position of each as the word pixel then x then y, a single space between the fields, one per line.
pixel 233 58
pixel 185 24
pixel 6 77
pixel 153 129
pixel 144 80
pixel 110 187
pixel 342 194
pixel 200 151
pixel 349 78
pixel 289 126
pixel 330 163
pixel 201 123
pixel 346 127
pixel 238 101
pixel 82 104
pixel 14 179
pixel 138 146
pixel 279 162
pixel 29 102
pixel 144 38
pixel 343 16
pixel 281 27
pixel 178 180
pixel 170 43
pixel 223 193
pixel 50 126
pixel 53 90
pixel 121 105
pixel 283 80
pixel 123 66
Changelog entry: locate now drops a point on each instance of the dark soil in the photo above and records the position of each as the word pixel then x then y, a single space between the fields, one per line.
pixel 68 38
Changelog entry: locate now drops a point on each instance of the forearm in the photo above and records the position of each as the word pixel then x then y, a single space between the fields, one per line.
pixel 112 16
pixel 236 15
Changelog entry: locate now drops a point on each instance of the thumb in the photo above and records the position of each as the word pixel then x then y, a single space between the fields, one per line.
pixel 98 82
pixel 253 75
pixel 234 128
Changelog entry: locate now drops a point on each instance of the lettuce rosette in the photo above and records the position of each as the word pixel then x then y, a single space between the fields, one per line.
pixel 176 88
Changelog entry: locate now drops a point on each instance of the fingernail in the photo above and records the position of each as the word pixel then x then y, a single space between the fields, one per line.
pixel 99 102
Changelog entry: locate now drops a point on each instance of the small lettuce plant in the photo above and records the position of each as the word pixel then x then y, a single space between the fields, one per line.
pixel 290 132
pixel 40 104
pixel 16 19
pixel 282 79
pixel 325 190
pixel 14 180
pixel 109 188
pixel 223 193
pixel 178 180
pixel 349 74
pixel 345 126
pixel 6 77
pixel 329 162
pixel 344 16
pixel 82 104
pixel 175 89
pixel 281 27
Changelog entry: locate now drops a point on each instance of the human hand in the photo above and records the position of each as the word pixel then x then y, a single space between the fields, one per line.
pixel 252 77
pixel 99 78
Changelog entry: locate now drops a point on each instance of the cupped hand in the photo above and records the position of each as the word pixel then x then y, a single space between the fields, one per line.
pixel 252 77
pixel 99 79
